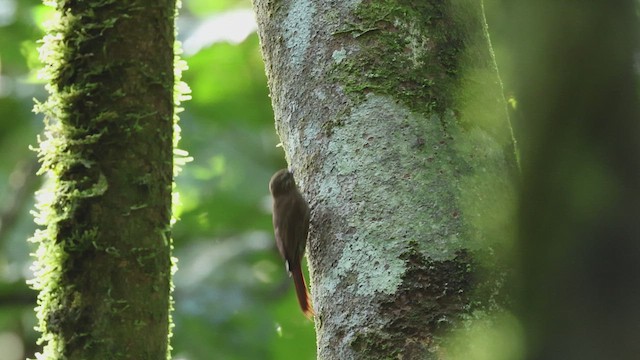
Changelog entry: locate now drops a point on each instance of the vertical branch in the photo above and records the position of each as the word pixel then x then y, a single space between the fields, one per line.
pixel 103 264
pixel 392 115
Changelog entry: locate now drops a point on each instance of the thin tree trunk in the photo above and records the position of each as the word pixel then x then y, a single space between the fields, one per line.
pixel 392 118
pixel 103 263
pixel 580 201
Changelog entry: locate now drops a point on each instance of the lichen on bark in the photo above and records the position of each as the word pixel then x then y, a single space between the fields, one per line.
pixel 400 151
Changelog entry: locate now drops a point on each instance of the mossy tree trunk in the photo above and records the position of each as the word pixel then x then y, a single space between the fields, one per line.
pixel 580 202
pixel 392 117
pixel 103 264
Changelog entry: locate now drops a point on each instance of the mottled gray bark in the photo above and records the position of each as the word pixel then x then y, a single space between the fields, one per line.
pixel 392 117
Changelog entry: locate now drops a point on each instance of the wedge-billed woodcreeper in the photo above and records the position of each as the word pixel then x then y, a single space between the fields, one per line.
pixel 291 227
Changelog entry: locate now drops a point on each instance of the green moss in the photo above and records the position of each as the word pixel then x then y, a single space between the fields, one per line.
pixel 105 175
pixel 407 49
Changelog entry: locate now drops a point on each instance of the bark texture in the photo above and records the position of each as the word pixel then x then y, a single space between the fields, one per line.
pixel 392 118
pixel 580 201
pixel 103 263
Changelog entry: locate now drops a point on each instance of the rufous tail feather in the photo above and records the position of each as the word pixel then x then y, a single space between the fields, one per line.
pixel 301 291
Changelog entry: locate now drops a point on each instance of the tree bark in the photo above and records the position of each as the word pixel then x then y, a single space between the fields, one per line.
pixel 392 117
pixel 103 264
pixel 580 200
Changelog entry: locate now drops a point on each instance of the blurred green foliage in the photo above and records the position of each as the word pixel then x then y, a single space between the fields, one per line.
pixel 233 298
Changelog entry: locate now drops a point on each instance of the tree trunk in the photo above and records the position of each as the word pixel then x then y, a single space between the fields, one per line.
pixel 580 201
pixel 392 117
pixel 103 264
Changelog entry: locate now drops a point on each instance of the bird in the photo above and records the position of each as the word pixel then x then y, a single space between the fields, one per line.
pixel 291 227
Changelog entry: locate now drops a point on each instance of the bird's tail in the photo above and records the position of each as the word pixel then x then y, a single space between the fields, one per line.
pixel 301 291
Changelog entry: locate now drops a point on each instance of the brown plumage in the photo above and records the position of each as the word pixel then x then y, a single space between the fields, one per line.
pixel 291 227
